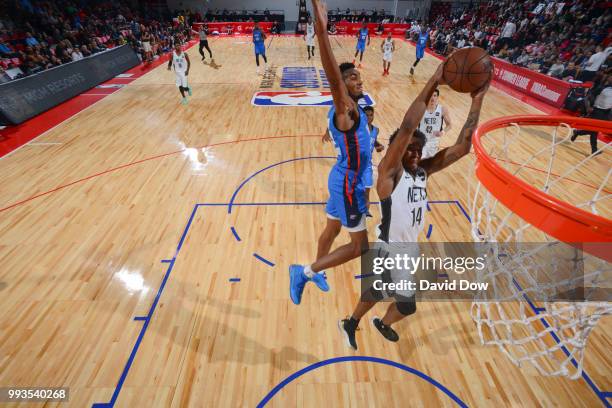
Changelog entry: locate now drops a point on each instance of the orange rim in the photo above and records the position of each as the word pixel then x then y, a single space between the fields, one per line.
pixel 557 218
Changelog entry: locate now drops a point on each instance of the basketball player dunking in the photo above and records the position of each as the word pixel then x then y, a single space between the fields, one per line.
pixel 387 47
pixel 348 126
pixel 181 64
pixel 259 39
pixel 434 123
pixel 309 36
pixel 402 188
pixel 420 47
pixel 362 36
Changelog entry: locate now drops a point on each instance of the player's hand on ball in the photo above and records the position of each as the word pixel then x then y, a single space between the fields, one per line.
pixel 480 93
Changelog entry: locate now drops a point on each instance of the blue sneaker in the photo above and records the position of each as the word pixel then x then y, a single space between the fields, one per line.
pixel 321 281
pixel 297 281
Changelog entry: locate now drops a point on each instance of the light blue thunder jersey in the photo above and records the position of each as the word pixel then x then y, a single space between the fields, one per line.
pixel 257 37
pixel 346 183
pixel 363 35
pixel 354 146
pixel 422 42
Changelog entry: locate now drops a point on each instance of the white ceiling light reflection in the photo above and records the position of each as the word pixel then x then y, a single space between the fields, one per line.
pixel 132 280
pixel 199 157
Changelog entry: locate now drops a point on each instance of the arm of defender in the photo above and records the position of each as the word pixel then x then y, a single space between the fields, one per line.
pixel 342 100
pixel 188 64
pixel 463 145
pixel 391 164
pixel 170 61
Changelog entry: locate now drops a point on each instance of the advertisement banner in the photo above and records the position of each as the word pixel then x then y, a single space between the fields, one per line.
pixel 547 89
pixel 237 28
pixel 344 27
pixel 27 97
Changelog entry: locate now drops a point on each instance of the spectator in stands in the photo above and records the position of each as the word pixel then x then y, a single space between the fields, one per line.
pixel 556 70
pixel 507 33
pixel 594 63
pixel 332 29
pixel 76 55
pixel 30 40
pixel 6 51
pixel 570 72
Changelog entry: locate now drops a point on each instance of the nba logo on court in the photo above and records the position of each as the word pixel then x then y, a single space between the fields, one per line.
pixel 300 98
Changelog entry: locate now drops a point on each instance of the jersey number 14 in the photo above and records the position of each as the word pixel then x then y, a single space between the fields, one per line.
pixel 417 216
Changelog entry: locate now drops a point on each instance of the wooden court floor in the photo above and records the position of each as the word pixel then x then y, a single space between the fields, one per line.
pixel 115 277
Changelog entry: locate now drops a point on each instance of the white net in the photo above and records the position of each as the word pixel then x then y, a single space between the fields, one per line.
pixel 546 295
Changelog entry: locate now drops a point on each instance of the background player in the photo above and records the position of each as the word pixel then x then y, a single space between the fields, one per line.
pixel 402 188
pixel 362 36
pixel 387 47
pixel 368 175
pixel 181 64
pixel 259 39
pixel 309 36
pixel 420 47
pixel 434 123
pixel 348 126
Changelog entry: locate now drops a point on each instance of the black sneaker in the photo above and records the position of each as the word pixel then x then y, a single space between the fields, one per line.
pixel 574 136
pixel 385 330
pixel 347 328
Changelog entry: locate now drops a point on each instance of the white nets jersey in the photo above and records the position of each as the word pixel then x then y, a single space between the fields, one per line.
pixel 430 123
pixel 403 213
pixel 179 62
pixel 310 34
pixel 388 46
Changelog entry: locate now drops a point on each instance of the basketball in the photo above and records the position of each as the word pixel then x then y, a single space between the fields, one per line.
pixel 467 69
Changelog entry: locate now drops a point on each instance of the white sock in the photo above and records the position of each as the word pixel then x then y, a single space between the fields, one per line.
pixel 308 271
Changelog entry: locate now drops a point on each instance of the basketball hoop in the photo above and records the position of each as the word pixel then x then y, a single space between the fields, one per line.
pixel 523 195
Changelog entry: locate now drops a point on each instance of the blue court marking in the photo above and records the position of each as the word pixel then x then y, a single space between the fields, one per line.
pixel 377 360
pixel 443 275
pixel 364 276
pixel 147 318
pixel 429 231
pixel 231 203
pixel 234 279
pixel 235 234
pixel 262 259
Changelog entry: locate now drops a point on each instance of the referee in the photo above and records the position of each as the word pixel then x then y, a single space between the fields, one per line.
pixel 203 33
pixel 600 110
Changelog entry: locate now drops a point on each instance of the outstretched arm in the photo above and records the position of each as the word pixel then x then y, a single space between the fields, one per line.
pixel 462 146
pixel 391 164
pixel 342 101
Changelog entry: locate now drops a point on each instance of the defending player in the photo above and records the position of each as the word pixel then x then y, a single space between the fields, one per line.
pixel 402 188
pixel 181 64
pixel 420 47
pixel 368 175
pixel 309 37
pixel 362 36
pixel 259 39
pixel 348 126
pixel 387 47
pixel 434 123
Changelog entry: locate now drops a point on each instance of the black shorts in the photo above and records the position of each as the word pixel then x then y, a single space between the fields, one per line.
pixel 203 43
